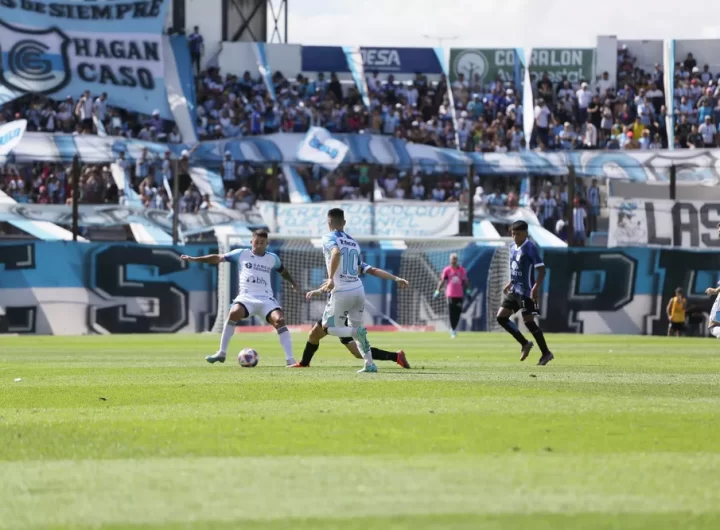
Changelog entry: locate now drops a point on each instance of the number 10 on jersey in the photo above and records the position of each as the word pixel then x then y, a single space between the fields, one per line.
pixel 351 261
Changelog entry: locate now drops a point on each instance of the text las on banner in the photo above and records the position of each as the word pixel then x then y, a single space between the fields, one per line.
pixel 663 223
pixel 61 49
pixel 492 63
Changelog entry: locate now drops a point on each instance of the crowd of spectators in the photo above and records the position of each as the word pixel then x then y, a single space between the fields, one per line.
pixel 623 113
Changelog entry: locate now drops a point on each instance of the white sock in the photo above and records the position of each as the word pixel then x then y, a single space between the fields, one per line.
pixel 227 334
pixel 285 342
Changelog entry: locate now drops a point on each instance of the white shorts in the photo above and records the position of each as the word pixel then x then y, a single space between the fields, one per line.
pixel 259 306
pixel 342 305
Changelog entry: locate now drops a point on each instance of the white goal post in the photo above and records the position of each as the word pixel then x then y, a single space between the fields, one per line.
pixel 419 260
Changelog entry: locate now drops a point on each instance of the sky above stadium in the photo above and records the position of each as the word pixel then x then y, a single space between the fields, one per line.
pixel 495 23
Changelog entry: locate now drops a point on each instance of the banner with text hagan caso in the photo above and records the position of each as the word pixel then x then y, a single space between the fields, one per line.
pixel 489 63
pixel 663 223
pixel 392 219
pixel 61 49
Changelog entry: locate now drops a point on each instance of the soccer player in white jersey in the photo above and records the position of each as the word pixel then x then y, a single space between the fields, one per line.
pixel 256 296
pixel 318 331
pixel 347 294
pixel 714 318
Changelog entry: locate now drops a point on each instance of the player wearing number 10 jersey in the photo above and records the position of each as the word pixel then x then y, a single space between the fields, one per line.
pixel 346 304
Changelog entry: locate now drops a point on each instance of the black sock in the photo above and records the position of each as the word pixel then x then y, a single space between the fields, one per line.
pixel 383 355
pixel 455 311
pixel 308 353
pixel 539 337
pixel 511 328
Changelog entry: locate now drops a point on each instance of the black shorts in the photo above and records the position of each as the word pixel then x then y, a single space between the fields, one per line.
pixel 515 302
pixel 677 326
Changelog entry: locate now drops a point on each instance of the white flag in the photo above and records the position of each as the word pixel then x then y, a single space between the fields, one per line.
pixel 10 135
pixel 319 147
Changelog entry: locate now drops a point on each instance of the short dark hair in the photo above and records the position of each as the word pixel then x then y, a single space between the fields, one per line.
pixel 520 226
pixel 336 214
pixel 260 232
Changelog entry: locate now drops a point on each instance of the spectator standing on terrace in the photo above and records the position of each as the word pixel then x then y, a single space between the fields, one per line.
pixel 197 48
pixel 708 131
pixel 543 117
pixel 229 172
pixel 579 217
pixel 593 195
pixel 84 111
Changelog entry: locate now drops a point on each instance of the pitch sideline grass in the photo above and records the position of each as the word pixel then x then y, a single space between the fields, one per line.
pixel 140 432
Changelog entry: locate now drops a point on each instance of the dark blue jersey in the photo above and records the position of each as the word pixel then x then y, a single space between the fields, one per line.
pixel 523 262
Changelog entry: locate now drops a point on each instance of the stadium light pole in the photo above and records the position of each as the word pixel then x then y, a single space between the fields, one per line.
pixel 441 39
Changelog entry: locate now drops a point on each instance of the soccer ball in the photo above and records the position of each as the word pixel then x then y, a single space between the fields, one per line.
pixel 248 358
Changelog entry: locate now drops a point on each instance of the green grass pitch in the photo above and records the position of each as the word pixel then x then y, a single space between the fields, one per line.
pixel 140 432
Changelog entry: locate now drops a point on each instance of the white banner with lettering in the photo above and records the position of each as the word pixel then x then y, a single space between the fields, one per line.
pixel 390 218
pixel 663 223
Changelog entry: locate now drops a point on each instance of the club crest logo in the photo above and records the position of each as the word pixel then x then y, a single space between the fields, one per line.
pixel 34 60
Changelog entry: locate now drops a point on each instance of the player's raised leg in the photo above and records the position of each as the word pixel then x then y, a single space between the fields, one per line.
pixel 237 312
pixel 276 318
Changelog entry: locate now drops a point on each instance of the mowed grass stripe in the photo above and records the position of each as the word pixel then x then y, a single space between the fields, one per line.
pixel 152 491
pixel 121 432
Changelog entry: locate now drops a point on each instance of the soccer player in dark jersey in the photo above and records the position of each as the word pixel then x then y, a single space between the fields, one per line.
pixel 527 272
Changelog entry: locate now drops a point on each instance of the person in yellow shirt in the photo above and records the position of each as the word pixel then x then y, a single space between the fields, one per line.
pixel 638 128
pixel 676 313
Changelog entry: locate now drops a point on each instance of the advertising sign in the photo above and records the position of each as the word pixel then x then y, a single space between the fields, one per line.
pixel 492 63
pixel 60 49
pixel 388 60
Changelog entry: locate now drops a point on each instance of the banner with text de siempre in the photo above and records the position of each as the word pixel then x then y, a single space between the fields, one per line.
pixel 61 49
pixel 492 63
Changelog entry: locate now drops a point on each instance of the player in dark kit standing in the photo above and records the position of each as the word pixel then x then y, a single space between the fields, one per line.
pixel 527 272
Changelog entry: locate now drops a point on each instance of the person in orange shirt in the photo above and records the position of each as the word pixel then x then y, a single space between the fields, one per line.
pixel 676 313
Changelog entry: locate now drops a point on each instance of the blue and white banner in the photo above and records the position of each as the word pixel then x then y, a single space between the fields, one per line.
pixel 697 166
pixel 669 82
pixel 11 134
pixel 388 60
pixel 440 54
pixel 264 68
pixel 62 49
pixel 319 147
pixel 528 102
pixel 391 218
pixel 355 65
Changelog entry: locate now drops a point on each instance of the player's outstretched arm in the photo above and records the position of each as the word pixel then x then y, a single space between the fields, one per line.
pixel 385 275
pixel 212 259
pixel 711 291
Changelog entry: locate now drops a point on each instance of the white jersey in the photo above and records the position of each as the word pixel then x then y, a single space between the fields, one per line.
pixel 351 266
pixel 254 271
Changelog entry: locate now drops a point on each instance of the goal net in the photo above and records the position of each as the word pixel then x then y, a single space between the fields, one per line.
pixel 418 260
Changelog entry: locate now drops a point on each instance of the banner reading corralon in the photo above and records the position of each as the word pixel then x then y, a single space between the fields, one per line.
pixel 492 63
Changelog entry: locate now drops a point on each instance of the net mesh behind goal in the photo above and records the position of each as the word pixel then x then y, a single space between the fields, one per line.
pixel 420 261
